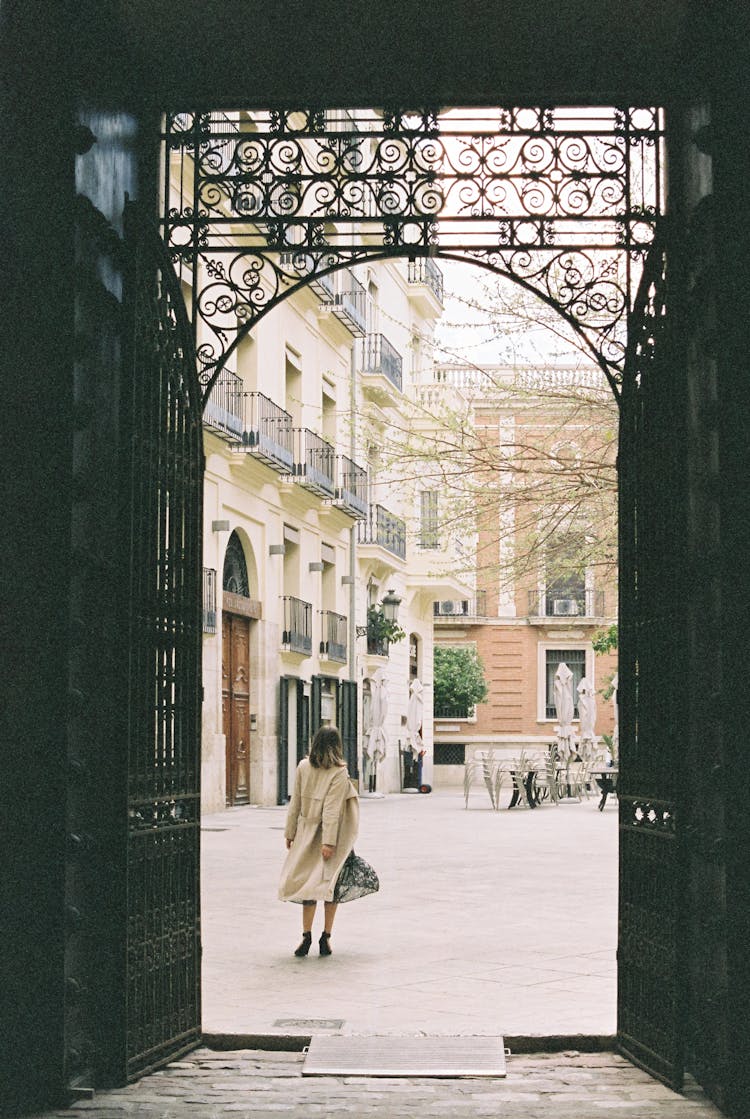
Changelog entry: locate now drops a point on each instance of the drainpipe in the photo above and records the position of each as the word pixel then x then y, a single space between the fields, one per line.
pixel 353 529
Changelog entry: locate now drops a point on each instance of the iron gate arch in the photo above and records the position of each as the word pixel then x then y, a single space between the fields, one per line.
pixel 573 216
pixel 564 202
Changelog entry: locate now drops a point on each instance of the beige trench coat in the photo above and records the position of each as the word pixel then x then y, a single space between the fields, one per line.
pixel 324 809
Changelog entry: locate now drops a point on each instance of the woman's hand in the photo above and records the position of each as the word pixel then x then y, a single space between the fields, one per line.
pixel 327 851
pixel 289 843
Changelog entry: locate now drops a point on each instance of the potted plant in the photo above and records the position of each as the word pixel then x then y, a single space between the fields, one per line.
pixel 381 631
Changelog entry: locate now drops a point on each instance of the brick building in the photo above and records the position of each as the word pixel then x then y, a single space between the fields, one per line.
pixel 545 551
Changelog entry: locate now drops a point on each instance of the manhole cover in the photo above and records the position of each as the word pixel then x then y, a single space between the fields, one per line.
pixel 310 1023
pixel 405 1056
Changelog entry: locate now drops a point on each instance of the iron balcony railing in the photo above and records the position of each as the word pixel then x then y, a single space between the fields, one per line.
pixel 462 608
pixel 224 409
pixel 384 529
pixel 267 432
pixel 350 304
pixel 379 356
pixel 378 646
pixel 297 632
pixel 351 493
pixel 315 463
pixel 209 600
pixel 333 643
pixel 323 286
pixel 586 604
pixel 454 712
pixel 425 271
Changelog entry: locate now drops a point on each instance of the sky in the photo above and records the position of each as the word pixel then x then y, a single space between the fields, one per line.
pixel 474 328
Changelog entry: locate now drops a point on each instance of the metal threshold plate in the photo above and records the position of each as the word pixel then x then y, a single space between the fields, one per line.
pixel 405 1056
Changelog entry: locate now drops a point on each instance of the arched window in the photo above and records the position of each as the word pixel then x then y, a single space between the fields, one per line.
pixel 413 657
pixel 235 568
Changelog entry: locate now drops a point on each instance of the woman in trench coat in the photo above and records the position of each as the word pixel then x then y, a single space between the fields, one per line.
pixel 321 826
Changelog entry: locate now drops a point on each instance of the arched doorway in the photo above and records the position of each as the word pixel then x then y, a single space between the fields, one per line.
pixel 235 672
pixel 671 960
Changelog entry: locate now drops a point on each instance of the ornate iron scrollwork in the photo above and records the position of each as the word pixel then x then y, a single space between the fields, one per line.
pixel 563 201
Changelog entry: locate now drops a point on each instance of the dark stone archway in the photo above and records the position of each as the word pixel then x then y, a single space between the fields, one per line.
pixel 123 58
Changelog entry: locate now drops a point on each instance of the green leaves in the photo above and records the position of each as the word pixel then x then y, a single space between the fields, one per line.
pixel 459 678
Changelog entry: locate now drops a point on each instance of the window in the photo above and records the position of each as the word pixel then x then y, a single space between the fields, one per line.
pixel 449 753
pixel 565 576
pixel 293 387
pixel 328 413
pixel 576 662
pixel 373 308
pixel 413 657
pixel 428 536
pixel 234 576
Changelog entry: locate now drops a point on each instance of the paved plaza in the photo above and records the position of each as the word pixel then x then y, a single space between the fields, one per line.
pixel 485 922
pixel 262 1085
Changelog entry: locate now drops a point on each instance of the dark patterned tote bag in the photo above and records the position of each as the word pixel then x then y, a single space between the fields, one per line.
pixel 356 880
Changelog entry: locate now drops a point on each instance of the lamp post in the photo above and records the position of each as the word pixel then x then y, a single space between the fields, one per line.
pixel 390 605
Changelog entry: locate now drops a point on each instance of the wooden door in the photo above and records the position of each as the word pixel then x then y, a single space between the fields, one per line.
pixel 235 697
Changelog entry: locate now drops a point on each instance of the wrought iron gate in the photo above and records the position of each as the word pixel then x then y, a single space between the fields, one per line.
pixel 164 504
pixel 651 956
pixel 261 203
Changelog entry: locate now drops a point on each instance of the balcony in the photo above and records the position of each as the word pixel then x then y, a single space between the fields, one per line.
pixel 381 369
pixel 297 633
pixel 350 304
pixel 315 465
pixel 460 610
pixel 385 530
pixel 323 286
pixel 267 432
pixel 562 607
pixel 351 494
pixel 456 712
pixel 426 286
pixel 334 636
pixel 223 411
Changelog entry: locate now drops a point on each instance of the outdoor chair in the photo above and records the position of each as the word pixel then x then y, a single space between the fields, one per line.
pixel 575 780
pixel 547 779
pixel 483 763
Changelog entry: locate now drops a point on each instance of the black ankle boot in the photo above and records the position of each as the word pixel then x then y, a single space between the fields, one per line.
pixel 325 944
pixel 304 947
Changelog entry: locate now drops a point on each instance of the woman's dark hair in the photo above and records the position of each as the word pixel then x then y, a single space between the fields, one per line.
pixel 327 749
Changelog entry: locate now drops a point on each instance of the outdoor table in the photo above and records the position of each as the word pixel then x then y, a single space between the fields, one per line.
pixel 523 786
pixel 606 779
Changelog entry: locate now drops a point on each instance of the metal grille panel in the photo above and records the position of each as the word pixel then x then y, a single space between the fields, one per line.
pixel 652 877
pixel 166 479
pixel 564 201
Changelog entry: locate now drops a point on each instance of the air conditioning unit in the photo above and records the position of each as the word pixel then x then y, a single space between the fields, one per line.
pixel 564 607
pixel 448 607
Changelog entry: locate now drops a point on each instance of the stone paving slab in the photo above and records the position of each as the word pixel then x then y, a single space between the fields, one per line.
pixel 486 922
pixel 231 1085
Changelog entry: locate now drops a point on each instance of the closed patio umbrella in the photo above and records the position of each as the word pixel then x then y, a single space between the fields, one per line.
pixel 587 712
pixel 414 717
pixel 564 706
pixel 376 742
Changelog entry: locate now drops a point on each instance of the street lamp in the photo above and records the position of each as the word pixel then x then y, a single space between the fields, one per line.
pixel 390 605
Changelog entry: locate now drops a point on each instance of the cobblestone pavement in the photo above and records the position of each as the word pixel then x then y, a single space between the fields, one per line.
pixel 230 1085
pixel 486 922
